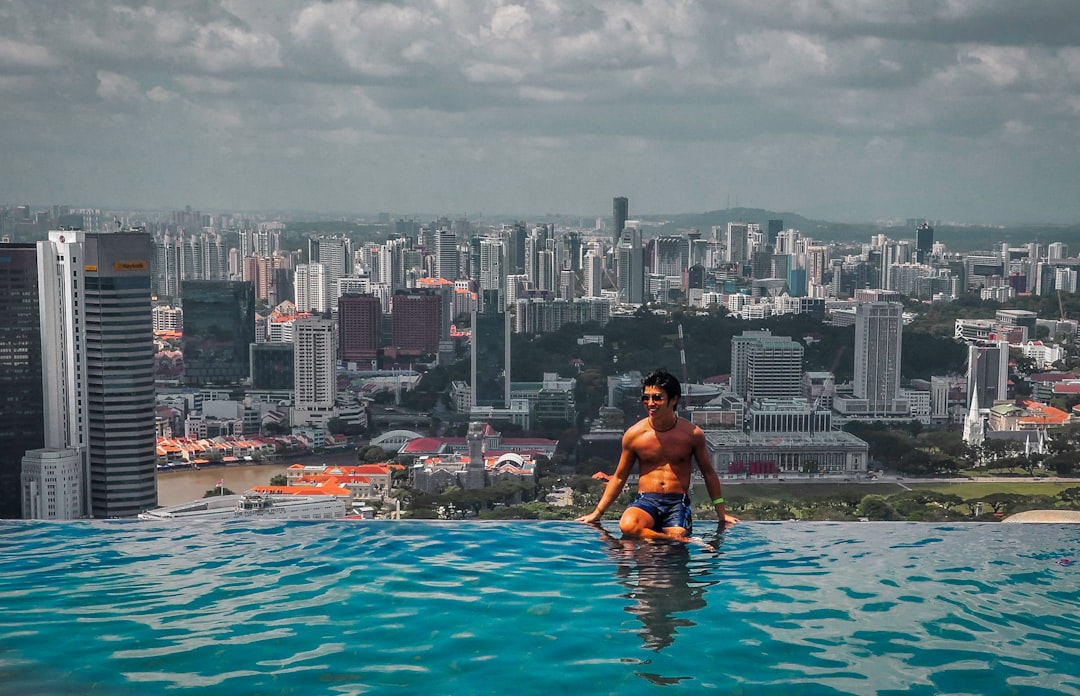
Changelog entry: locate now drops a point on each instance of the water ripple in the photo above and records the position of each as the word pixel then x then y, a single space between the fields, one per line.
pixel 351 608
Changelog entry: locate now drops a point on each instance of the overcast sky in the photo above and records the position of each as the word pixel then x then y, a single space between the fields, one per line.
pixel 852 110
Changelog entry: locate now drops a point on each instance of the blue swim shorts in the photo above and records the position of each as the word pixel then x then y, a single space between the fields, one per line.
pixel 666 509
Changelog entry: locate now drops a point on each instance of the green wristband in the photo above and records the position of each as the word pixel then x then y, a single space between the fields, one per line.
pixel 718 501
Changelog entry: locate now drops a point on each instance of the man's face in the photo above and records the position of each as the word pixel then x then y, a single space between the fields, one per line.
pixel 655 400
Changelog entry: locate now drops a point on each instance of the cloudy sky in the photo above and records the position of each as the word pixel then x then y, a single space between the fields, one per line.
pixel 846 110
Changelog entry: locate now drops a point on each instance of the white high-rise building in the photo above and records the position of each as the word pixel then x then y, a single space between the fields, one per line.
pixel 737 243
pixel 52 484
pixel 315 371
pixel 336 256
pixel 878 332
pixel 312 294
pixel 594 274
pixel 493 265
pixel 447 260
pixel 764 366
pixel 98 365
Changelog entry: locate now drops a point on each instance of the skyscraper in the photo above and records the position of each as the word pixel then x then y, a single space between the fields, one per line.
pixel 988 372
pixel 315 371
pixel 21 410
pixel 924 242
pixel 620 212
pixel 490 354
pixel 764 366
pixel 774 229
pixel 416 318
pixel 593 274
pixel 447 263
pixel 359 328
pixel 219 325
pixel 312 291
pixel 737 243
pixel 98 364
pixel 878 333
pixel 336 256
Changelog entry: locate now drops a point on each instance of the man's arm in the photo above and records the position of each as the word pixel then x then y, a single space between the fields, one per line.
pixel 618 480
pixel 712 481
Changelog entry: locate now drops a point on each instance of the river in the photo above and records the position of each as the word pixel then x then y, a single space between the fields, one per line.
pixel 185 485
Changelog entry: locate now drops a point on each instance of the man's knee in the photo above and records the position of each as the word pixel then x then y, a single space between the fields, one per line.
pixel 634 522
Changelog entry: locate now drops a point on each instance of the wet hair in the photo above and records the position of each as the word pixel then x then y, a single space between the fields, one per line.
pixel 665 381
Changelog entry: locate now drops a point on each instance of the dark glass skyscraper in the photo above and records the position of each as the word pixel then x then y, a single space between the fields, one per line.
pixel 620 212
pixel 491 354
pixel 219 325
pixel 775 228
pixel 272 366
pixel 21 408
pixel 924 242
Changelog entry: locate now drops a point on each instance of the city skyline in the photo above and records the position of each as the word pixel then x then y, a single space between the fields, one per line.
pixel 844 111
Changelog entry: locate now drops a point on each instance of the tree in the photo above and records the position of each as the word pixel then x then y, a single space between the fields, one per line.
pixel 371 454
pixel 279 480
pixel 1070 496
pixel 875 507
pixel 215 492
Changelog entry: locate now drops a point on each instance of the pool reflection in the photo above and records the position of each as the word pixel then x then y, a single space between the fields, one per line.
pixel 665 581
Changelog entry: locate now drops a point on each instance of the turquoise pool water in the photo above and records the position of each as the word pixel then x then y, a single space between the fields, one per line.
pixel 536 608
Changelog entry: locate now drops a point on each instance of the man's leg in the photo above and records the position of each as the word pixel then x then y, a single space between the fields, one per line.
pixel 636 522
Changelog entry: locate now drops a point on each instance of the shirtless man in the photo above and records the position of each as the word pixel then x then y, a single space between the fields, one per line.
pixel 662 444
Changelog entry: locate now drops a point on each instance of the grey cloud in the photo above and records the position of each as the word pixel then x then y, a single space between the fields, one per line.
pixel 608 95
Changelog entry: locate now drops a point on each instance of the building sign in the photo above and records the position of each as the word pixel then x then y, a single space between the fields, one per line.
pixel 129 266
pixel 90 269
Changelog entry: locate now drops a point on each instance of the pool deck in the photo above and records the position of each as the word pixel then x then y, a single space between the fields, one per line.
pixel 1045 517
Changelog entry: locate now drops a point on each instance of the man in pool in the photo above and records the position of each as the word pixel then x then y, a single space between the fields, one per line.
pixel 662 444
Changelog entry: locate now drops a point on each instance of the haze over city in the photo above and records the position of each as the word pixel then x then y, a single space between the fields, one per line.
pixel 848 111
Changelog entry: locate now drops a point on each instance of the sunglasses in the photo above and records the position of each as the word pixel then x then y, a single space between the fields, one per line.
pixel 645 398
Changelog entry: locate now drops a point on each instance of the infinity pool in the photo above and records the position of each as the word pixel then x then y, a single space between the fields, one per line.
pixel 536 608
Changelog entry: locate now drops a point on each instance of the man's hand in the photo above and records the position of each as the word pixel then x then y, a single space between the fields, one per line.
pixel 728 520
pixel 592 518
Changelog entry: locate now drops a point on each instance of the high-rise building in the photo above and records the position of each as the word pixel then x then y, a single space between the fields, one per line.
pixel 447 262
pixel 359 328
pixel 924 242
pixel 593 274
pixel 630 265
pixel 315 371
pixel 878 333
pixel 764 366
pixel 620 212
pixel 312 291
pixel 671 255
pixel 737 243
pixel 272 366
pixel 219 325
pixel 168 271
pixel 98 364
pixel 21 410
pixel 52 484
pixel 775 227
pixel 988 372
pixel 1055 251
pixel 415 316
pixel 336 256
pixel 492 265
pixel 490 354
